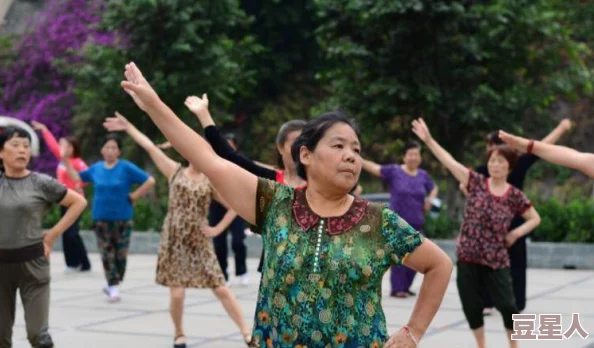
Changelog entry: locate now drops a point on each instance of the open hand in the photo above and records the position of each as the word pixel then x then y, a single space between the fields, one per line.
pixel 48 243
pixel 209 231
pixel 516 142
pixel 138 88
pixel 566 124
pixel 117 123
pixel 197 105
pixel 421 130
pixel 38 126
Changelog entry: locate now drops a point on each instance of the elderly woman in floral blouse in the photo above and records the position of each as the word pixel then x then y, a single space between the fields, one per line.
pixel 326 251
pixel 481 247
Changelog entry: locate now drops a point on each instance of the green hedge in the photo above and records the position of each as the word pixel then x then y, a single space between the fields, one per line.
pixel 571 222
pixel 561 222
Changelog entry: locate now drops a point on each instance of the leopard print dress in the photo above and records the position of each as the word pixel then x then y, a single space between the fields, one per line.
pixel 186 257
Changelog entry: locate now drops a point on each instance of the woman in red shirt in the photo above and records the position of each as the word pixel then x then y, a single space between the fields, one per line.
pixel 75 253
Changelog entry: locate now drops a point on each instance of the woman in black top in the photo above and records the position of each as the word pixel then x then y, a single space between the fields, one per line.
pixel 287 134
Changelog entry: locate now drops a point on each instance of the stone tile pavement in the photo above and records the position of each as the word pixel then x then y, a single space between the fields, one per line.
pixel 81 317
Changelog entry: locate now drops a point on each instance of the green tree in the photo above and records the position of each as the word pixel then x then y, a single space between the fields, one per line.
pixel 184 48
pixel 465 66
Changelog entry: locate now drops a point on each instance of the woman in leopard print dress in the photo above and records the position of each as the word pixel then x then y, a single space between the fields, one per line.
pixel 186 254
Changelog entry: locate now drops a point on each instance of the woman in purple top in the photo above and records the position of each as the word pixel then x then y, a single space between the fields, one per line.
pixel 411 193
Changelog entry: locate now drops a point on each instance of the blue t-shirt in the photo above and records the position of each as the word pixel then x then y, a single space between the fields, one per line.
pixel 112 186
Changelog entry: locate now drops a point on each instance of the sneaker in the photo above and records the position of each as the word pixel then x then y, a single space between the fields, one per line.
pixel 112 293
pixel 244 279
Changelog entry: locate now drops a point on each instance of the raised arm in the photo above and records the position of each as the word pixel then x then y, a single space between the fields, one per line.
pixel 236 185
pixel 199 107
pixel 166 165
pixel 48 137
pixel 459 171
pixel 561 155
pixel 372 168
pixel 561 128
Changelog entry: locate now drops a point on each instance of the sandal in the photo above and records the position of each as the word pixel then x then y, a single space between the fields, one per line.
pixel 179 345
pixel 410 293
pixel 247 338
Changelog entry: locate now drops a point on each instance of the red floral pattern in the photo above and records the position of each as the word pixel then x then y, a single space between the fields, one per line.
pixel 487 219
pixel 306 218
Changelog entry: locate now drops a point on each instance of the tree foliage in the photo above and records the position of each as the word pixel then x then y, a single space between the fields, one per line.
pixel 184 48
pixel 462 65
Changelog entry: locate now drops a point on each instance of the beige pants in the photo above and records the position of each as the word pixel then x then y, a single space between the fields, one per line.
pixel 32 280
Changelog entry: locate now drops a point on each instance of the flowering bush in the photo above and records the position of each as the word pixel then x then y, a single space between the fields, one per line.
pixel 34 85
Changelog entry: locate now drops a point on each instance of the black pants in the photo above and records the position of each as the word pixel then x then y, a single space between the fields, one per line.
pixel 472 279
pixel 75 252
pixel 518 265
pixel 237 245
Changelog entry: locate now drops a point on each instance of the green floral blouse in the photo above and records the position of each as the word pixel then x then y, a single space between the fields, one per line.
pixel 321 280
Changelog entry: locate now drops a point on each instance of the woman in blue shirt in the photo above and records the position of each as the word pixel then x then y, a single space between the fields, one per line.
pixel 112 209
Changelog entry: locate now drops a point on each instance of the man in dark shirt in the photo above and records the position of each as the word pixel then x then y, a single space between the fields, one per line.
pixel 517 252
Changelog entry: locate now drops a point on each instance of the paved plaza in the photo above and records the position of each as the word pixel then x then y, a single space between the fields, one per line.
pixel 81 317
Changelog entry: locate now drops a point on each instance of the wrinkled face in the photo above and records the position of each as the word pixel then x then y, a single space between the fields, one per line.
pixel 110 151
pixel 16 153
pixel 498 166
pixel 412 158
pixel 65 147
pixel 285 149
pixel 336 160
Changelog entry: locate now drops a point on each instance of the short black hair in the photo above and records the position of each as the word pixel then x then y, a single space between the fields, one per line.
pixel 112 136
pixel 412 144
pixel 8 133
pixel 494 139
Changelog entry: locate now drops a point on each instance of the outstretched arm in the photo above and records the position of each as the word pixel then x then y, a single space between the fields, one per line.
pixel 199 107
pixel 561 155
pixel 561 128
pixel 49 138
pixel 236 185
pixel 166 165
pixel 459 171
pixel 372 168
